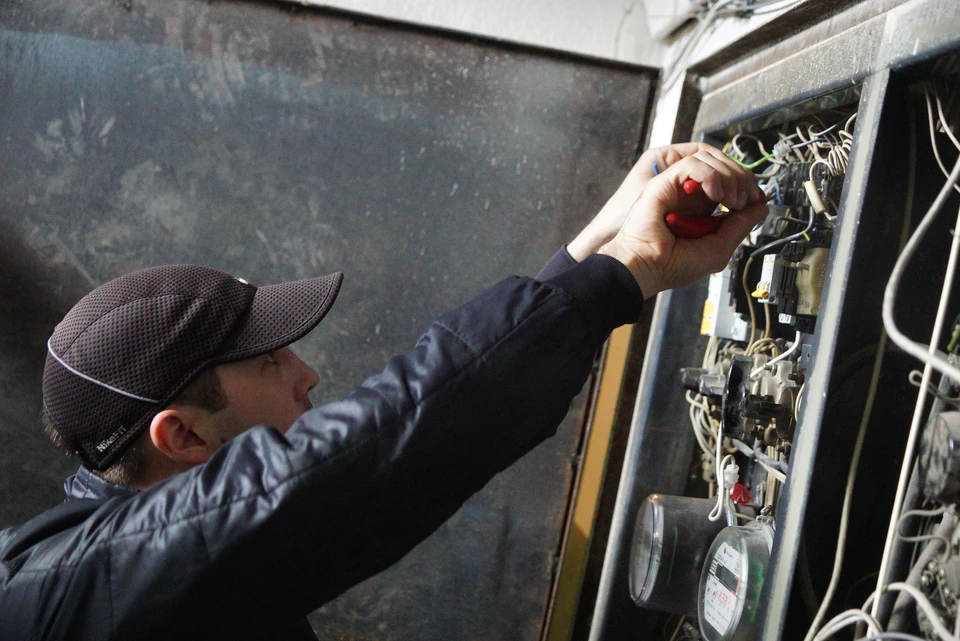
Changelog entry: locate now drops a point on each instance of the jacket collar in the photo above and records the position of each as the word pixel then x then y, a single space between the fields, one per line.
pixel 87 485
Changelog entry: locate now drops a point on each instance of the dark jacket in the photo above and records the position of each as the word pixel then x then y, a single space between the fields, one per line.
pixel 275 525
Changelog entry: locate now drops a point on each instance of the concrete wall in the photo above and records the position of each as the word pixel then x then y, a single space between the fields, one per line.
pixel 614 29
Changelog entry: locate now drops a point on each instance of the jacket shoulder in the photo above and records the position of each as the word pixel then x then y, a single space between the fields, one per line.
pixel 17 540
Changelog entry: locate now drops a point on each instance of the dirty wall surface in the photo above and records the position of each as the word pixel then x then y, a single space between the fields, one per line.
pixel 279 143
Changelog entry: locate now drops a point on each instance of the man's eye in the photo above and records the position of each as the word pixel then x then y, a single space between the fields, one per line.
pixel 271 358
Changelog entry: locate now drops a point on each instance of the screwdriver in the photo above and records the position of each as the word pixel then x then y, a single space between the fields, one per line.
pixel 691 226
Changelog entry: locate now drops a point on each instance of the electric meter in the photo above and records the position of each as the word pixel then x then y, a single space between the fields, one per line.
pixel 731 581
pixel 670 542
pixel 940 458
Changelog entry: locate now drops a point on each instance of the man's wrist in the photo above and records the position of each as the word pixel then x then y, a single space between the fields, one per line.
pixel 638 268
pixel 585 244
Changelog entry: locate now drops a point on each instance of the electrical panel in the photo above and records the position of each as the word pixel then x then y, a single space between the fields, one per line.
pixel 746 390
pixel 810 392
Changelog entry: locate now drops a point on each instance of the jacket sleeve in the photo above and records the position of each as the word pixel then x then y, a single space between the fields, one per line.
pixel 275 525
pixel 560 262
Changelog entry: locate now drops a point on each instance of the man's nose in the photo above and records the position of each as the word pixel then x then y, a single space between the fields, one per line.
pixel 307 377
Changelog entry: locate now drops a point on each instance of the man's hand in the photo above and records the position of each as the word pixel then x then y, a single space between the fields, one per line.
pixel 658 259
pixel 606 224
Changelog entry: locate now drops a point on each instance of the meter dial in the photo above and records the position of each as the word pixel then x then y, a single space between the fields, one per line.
pixel 731 581
pixel 940 458
pixel 670 541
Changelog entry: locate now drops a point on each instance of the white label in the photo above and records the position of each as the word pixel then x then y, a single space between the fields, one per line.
pixel 723 582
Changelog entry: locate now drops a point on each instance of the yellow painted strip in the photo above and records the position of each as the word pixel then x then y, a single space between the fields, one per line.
pixel 579 534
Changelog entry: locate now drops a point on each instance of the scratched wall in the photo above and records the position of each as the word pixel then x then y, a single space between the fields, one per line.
pixel 279 143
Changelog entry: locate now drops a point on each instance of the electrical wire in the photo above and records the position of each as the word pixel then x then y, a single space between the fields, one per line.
pixel 719 9
pixel 796 404
pixel 933 140
pixel 916 379
pixel 764 344
pixel 955 338
pixel 775 473
pixel 754 164
pixel 787 354
pixel 724 503
pixel 930 359
pixel 925 537
pixel 697 424
pixel 676 631
pixel 916 350
pixel 867 408
pixel 945 125
pixel 924 603
pixel 746 270
pixel 675 69
pixel 848 618
pixel 848 492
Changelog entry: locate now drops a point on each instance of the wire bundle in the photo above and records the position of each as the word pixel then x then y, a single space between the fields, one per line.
pixel 707 17
pixel 928 355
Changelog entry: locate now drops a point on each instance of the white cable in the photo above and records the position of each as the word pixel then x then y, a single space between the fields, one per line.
pixel 926 606
pixel 929 357
pixel 773 361
pixel 862 429
pixel 848 492
pixel 845 619
pixel 676 68
pixel 945 125
pixel 926 353
pixel 696 423
pixel 726 478
pixel 933 140
pixel 775 473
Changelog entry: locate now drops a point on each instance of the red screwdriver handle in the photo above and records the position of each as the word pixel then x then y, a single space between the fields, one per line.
pixel 692 187
pixel 692 226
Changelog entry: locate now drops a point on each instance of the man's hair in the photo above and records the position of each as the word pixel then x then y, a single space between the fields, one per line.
pixel 204 392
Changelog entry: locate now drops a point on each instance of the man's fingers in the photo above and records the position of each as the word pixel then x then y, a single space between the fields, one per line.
pixel 714 250
pixel 722 179
pixel 723 185
pixel 738 224
pixel 672 154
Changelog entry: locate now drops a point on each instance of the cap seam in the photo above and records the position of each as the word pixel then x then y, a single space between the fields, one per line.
pixel 130 302
pixel 93 380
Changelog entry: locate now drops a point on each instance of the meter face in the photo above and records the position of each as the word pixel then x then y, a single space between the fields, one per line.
pixel 720 602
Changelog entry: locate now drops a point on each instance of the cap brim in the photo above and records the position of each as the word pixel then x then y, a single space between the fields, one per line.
pixel 280 315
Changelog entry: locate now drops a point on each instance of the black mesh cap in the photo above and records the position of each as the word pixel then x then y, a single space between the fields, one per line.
pixel 131 345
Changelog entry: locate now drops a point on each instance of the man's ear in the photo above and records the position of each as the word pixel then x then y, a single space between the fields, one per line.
pixel 172 432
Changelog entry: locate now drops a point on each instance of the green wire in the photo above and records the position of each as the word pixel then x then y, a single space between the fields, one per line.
pixel 954 339
pixel 753 164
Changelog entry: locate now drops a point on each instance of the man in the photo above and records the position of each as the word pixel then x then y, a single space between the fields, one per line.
pixel 215 503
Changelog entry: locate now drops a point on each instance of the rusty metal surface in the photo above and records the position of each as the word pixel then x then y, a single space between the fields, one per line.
pixel 278 143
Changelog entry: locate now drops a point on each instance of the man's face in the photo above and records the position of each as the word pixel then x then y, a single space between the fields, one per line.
pixel 265 390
